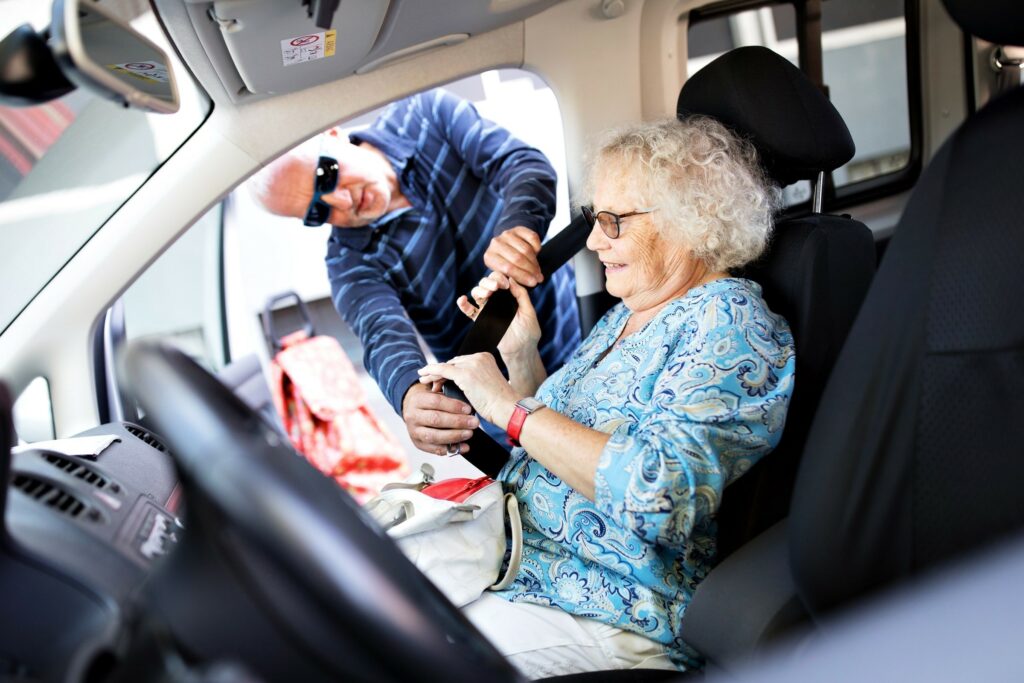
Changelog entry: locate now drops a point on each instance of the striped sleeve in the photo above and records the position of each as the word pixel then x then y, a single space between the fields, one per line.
pixel 519 173
pixel 373 310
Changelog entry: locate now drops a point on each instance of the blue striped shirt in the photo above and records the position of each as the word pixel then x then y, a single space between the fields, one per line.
pixel 467 180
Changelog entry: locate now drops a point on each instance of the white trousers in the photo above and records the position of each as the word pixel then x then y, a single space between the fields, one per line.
pixel 545 641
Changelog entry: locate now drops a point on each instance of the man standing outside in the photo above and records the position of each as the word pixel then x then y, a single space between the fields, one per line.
pixel 423 202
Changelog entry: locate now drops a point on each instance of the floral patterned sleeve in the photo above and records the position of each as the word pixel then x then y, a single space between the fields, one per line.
pixel 717 404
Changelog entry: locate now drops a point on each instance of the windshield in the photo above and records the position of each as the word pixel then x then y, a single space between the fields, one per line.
pixel 67 165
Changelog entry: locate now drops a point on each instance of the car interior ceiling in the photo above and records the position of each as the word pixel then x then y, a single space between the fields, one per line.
pixel 899 449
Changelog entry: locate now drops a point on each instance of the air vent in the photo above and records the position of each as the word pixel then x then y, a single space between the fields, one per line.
pixel 55 497
pixel 83 472
pixel 140 433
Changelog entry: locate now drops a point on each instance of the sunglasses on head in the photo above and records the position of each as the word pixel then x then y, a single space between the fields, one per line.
pixel 610 223
pixel 325 179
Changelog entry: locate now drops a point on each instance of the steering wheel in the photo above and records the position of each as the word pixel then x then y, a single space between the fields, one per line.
pixel 278 568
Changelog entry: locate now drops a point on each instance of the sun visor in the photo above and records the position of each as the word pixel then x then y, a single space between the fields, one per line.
pixel 276 48
pixel 264 47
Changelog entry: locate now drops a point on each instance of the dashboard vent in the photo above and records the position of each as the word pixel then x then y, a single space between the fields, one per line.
pixel 53 496
pixel 83 472
pixel 147 437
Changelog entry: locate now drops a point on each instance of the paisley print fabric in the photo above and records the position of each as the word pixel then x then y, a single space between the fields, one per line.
pixel 691 401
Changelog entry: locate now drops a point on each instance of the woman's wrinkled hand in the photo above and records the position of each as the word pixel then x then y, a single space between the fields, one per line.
pixel 523 333
pixel 479 378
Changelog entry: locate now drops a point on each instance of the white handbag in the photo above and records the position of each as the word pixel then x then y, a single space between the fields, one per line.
pixel 453 531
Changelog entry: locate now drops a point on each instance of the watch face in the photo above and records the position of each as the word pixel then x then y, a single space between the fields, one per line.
pixel 530 404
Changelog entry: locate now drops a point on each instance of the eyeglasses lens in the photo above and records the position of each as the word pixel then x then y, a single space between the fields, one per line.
pixel 609 223
pixel 326 175
pixel 325 179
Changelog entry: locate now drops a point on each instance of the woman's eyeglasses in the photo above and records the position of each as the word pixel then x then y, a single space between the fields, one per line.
pixel 325 179
pixel 611 223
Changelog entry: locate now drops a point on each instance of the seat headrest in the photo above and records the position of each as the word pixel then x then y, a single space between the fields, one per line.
pixel 761 96
pixel 997 21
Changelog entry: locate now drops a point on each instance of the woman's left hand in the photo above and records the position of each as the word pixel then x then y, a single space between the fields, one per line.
pixel 479 378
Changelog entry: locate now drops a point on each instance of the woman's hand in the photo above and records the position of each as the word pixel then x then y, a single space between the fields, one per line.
pixel 480 379
pixel 524 331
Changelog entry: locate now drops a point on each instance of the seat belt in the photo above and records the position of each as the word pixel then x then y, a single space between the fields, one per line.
pixel 485 453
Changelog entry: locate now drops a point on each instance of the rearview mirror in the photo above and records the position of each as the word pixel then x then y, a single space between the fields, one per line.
pixel 99 52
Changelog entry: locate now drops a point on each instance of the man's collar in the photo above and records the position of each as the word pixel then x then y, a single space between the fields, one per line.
pixel 388 217
pixel 359 238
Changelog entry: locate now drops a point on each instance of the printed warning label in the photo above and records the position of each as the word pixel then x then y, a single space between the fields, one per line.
pixel 152 72
pixel 308 48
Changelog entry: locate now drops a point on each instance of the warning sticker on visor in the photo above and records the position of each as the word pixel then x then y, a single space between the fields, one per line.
pixel 308 48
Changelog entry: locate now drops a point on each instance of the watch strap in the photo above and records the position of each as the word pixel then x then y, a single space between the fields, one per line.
pixel 523 408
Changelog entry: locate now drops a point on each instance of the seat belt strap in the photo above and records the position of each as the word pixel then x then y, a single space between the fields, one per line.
pixel 485 453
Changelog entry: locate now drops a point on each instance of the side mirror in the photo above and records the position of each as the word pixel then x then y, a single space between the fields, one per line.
pixel 99 52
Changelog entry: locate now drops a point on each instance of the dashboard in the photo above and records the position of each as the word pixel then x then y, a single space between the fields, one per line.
pixel 81 534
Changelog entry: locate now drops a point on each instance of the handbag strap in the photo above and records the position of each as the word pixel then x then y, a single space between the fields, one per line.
pixel 516 531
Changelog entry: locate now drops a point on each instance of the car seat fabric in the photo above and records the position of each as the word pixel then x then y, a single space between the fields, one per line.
pixel 244 377
pixel 817 268
pixel 997 21
pixel 815 274
pixel 915 455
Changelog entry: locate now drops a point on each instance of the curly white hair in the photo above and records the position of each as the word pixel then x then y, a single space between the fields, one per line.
pixel 706 181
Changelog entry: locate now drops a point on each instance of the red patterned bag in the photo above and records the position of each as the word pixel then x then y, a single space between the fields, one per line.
pixel 325 414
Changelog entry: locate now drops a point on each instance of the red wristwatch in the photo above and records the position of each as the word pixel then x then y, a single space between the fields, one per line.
pixel 524 407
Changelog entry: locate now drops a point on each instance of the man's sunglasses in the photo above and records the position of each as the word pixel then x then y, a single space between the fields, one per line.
pixel 325 179
pixel 611 223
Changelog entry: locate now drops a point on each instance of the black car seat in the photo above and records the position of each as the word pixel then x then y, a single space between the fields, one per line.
pixel 817 268
pixel 916 455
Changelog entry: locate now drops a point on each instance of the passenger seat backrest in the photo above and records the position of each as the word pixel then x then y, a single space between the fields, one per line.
pixel 817 268
pixel 915 456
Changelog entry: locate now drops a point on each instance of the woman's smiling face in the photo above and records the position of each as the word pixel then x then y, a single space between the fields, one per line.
pixel 643 266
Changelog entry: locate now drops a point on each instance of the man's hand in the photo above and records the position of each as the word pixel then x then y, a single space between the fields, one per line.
pixel 434 421
pixel 514 253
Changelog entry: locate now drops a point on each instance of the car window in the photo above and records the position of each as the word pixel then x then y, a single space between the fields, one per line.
pixel 865 70
pixel 33 412
pixel 178 298
pixel 267 254
pixel 68 164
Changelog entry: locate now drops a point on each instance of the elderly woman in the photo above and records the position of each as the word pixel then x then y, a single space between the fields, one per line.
pixel 625 451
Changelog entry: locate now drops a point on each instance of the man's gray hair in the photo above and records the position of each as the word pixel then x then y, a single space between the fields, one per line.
pixel 707 183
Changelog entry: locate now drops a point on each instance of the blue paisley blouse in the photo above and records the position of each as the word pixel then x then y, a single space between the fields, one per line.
pixel 691 401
